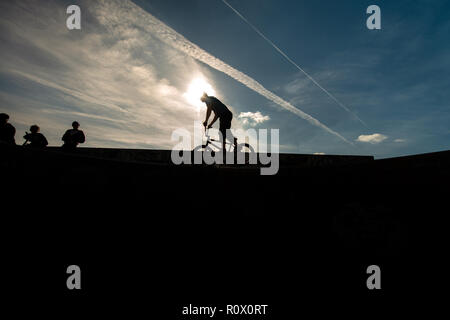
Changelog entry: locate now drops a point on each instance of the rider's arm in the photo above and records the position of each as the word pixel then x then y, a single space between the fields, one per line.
pixel 214 120
pixel 208 113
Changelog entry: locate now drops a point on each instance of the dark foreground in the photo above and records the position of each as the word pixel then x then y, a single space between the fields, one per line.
pixel 153 237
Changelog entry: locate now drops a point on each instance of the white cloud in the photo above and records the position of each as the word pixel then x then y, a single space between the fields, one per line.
pixel 319 153
pixel 253 118
pixel 372 138
pixel 399 140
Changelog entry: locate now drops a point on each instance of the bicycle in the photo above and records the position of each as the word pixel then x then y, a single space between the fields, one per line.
pixel 212 147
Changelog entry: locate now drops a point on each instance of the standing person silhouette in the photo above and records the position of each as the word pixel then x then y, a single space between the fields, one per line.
pixel 73 137
pixel 222 113
pixel 36 139
pixel 7 131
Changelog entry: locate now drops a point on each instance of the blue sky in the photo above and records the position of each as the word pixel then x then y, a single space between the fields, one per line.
pixel 126 79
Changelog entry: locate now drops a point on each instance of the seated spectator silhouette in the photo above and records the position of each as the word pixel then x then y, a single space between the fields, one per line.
pixel 73 137
pixel 7 131
pixel 35 138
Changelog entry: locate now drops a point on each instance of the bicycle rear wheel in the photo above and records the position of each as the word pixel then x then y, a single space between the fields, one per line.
pixel 247 152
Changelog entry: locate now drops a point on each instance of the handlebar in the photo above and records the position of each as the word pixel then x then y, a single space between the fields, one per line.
pixel 207 128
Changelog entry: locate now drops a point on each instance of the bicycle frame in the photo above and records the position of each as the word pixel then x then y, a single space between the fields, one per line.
pixel 209 141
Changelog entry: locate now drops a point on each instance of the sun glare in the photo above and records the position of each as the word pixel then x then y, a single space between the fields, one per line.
pixel 195 91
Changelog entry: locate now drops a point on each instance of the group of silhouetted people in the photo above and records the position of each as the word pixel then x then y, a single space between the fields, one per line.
pixel 72 137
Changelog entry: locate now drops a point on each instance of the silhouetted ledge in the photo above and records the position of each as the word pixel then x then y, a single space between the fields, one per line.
pixel 159 162
pixel 164 157
pixel 439 160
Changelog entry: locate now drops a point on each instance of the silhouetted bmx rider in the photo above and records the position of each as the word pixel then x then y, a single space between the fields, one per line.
pixel 222 113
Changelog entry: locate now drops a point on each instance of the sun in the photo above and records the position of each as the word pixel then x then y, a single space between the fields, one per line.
pixel 195 91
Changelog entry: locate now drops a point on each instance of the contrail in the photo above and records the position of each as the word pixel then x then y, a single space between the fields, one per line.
pixel 292 62
pixel 113 14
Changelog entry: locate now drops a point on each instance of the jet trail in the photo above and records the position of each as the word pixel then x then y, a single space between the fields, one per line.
pixel 292 62
pixel 114 13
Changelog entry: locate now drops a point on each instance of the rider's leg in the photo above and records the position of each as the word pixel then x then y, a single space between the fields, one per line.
pixel 234 139
pixel 222 139
pixel 223 132
pixel 225 126
pixel 231 137
pixel 223 143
